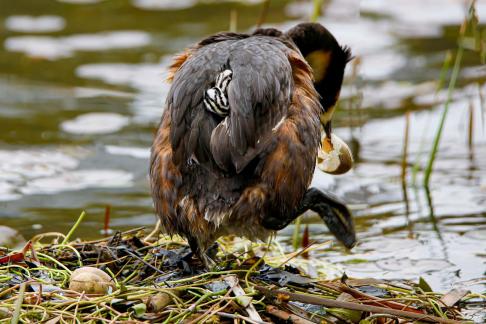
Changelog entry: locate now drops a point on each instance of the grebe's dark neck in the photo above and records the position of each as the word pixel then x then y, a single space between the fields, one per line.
pixel 326 57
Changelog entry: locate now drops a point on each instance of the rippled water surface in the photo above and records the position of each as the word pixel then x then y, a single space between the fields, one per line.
pixel 82 90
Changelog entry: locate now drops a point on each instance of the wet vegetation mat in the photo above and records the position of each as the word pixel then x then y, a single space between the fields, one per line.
pixel 132 277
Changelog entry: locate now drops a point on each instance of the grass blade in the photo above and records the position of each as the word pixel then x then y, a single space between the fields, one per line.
pixel 75 226
pixel 438 134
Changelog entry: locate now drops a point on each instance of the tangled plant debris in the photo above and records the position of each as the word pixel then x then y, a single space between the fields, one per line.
pixel 127 277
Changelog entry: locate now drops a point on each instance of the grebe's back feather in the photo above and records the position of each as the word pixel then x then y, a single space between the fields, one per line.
pixel 259 95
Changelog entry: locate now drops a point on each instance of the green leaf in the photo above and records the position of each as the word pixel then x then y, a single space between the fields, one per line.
pixel 365 321
pixel 243 300
pixel 139 309
pixel 424 285
pixel 123 288
pixel 353 316
pixel 356 261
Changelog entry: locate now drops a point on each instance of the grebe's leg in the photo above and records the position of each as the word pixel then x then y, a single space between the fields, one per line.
pixel 209 263
pixel 331 210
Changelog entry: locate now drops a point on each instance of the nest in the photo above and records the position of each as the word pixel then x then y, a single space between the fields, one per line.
pixel 157 280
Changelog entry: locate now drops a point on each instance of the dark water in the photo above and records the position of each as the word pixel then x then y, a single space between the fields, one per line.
pixel 82 89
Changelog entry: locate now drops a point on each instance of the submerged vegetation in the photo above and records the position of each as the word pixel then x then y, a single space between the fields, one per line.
pixel 138 278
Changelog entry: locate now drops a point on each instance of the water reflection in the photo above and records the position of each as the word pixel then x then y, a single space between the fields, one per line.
pixel 30 24
pixel 79 104
pixel 95 123
pixel 61 47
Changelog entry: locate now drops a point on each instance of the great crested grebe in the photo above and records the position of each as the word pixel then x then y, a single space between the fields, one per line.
pixel 237 145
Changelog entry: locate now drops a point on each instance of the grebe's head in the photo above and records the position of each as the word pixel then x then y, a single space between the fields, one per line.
pixel 328 60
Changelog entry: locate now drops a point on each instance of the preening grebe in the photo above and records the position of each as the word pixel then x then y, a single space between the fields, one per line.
pixel 237 145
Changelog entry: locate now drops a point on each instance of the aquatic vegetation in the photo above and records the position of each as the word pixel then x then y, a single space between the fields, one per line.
pixel 398 55
pixel 470 24
pixel 133 277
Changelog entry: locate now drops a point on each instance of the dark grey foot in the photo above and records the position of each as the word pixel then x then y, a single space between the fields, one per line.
pixel 331 210
pixel 334 213
pixel 277 223
pixel 209 263
pixel 203 256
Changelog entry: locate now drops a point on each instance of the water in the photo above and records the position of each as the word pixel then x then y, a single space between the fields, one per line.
pixel 82 89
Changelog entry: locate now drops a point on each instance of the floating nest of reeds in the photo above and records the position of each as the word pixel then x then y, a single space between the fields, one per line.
pixel 127 278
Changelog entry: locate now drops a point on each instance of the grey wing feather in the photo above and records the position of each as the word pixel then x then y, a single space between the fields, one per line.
pixel 185 99
pixel 259 97
pixel 258 94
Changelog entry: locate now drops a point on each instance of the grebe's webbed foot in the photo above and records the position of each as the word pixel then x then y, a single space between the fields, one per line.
pixel 334 213
pixel 209 263
pixel 204 256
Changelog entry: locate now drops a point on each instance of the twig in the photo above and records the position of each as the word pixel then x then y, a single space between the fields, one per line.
pixel 453 296
pixel 376 316
pixel 39 295
pixel 18 304
pixel 405 147
pixel 135 230
pixel 41 236
pixel 263 14
pixel 8 290
pixel 54 261
pixel 316 11
pixel 233 21
pixel 106 225
pixel 353 306
pixel 77 307
pixel 371 300
pixel 232 281
pixel 237 316
pixel 296 233
pixel 305 242
pixel 156 231
pixel 286 316
pixel 304 250
pixel 470 134
pixel 142 260
pixel 193 308
pixel 213 309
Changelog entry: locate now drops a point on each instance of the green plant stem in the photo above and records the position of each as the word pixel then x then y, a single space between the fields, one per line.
pixel 316 12
pixel 296 234
pixel 233 25
pixel 443 74
pixel 263 14
pixel 75 226
pixel 438 135
pixel 18 304
pixel 316 300
pixel 194 306
pixel 42 255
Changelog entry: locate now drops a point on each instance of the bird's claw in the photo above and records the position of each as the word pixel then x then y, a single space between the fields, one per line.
pixel 209 263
